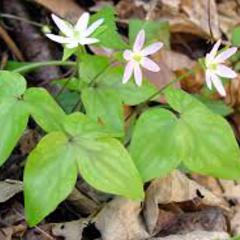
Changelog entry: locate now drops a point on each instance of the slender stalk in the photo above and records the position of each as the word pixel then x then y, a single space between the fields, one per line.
pixel 178 79
pixel 33 66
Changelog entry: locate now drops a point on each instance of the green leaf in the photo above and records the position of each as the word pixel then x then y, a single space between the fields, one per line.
pixel 156 145
pixel 107 32
pixel 11 84
pixel 208 138
pixel 130 93
pixel 44 109
pixel 103 161
pixel 49 176
pixel 13 119
pixel 13 112
pixel 236 36
pixel 104 106
pixel 217 106
pixel 155 31
pixel 92 66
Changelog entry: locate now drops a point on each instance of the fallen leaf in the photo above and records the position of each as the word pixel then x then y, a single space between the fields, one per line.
pixel 174 188
pixel 197 235
pixel 235 221
pixel 67 9
pixel 8 189
pixel 120 220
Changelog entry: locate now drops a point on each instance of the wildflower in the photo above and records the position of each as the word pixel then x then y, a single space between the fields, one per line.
pixel 137 58
pixel 216 69
pixel 78 34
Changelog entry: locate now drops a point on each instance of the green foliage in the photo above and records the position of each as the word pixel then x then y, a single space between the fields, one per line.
pixel 50 175
pixel 104 96
pixel 154 30
pixel 13 112
pixel 107 32
pixel 44 110
pixel 236 36
pixel 199 138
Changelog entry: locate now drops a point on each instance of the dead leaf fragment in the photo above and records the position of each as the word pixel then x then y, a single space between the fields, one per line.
pixel 174 188
pixel 197 235
pixel 67 9
pixel 120 220
pixel 8 189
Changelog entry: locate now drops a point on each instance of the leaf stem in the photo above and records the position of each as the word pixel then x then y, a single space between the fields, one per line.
pixel 33 66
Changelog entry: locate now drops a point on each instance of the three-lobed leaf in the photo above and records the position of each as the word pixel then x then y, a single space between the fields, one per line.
pixel 50 173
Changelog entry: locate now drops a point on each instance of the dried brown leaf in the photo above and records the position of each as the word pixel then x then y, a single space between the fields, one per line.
pixel 120 220
pixel 8 189
pixel 174 188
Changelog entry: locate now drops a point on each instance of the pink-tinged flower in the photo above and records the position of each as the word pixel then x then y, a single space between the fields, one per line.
pixel 75 35
pixel 137 58
pixel 216 69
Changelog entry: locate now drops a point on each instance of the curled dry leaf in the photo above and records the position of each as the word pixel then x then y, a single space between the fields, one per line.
pixel 235 221
pixel 174 188
pixel 9 188
pixel 120 220
pixel 197 235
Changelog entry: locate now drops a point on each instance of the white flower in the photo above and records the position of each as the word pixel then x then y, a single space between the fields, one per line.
pixel 78 34
pixel 138 57
pixel 215 67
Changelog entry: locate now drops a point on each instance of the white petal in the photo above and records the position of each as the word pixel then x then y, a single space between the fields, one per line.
pixel 72 45
pixel 127 54
pixel 65 27
pixel 150 65
pixel 139 42
pixel 221 57
pixel 128 72
pixel 151 49
pixel 226 72
pixel 59 39
pixel 82 22
pixel 87 41
pixel 138 74
pixel 208 79
pixel 215 48
pixel 93 27
pixel 218 85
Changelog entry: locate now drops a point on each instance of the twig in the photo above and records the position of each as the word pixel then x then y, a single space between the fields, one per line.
pixel 11 44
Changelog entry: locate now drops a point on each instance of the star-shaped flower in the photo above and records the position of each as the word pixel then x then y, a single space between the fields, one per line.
pixel 216 69
pixel 75 35
pixel 137 58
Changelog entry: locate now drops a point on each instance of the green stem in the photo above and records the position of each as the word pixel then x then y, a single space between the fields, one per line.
pixel 33 66
pixel 178 79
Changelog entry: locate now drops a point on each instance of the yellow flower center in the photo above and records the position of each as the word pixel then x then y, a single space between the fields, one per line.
pixel 137 57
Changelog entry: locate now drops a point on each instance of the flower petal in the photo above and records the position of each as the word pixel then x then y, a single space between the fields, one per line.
pixel 72 45
pixel 139 42
pixel 218 85
pixel 93 27
pixel 87 41
pixel 65 27
pixel 226 72
pixel 59 39
pixel 221 57
pixel 215 48
pixel 208 79
pixel 127 55
pixel 82 22
pixel 128 72
pixel 151 49
pixel 138 74
pixel 150 65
